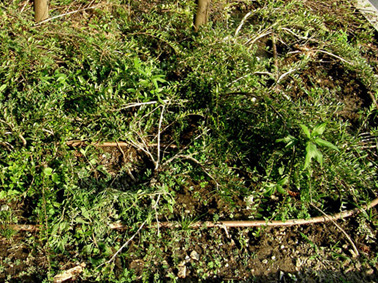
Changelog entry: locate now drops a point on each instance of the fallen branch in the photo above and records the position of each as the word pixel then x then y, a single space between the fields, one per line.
pixel 78 143
pixel 260 223
pixel 229 224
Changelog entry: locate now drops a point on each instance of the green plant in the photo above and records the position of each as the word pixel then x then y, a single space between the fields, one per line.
pixel 313 140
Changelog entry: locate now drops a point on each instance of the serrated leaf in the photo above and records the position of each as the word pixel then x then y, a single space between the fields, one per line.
pixel 319 129
pixel 306 131
pixel 319 158
pixel 311 152
pixel 325 143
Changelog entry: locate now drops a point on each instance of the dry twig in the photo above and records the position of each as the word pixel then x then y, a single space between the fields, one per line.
pixel 67 14
pixel 341 229
pixel 125 244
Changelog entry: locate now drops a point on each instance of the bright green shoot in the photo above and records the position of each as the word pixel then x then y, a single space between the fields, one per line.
pixel 314 140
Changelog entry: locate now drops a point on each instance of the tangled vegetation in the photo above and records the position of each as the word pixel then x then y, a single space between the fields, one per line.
pixel 266 111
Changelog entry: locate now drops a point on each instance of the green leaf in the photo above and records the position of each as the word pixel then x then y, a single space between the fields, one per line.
pixel 3 195
pixel 312 152
pixel 55 178
pixel 306 131
pixel 319 158
pixel 319 129
pixel 80 220
pixel 289 140
pixel 3 87
pixel 281 190
pixel 47 171
pixel 325 143
pixel 283 181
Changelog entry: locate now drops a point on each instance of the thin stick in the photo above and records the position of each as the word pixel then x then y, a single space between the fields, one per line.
pixel 22 227
pixel 293 33
pixel 252 41
pixel 156 214
pixel 231 224
pixel 242 22
pixel 137 104
pixel 22 139
pixel 158 137
pixel 145 150
pixel 275 54
pixel 333 55
pixel 125 244
pixel 122 152
pixel 7 145
pixel 285 74
pixel 23 7
pixel 67 14
pixel 341 229
pixel 76 143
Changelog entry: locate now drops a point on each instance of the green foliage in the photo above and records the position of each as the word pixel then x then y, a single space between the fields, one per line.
pixel 313 140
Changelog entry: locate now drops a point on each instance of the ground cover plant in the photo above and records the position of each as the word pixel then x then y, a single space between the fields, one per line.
pixel 119 118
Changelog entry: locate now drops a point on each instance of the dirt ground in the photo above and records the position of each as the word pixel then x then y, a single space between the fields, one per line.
pixel 309 253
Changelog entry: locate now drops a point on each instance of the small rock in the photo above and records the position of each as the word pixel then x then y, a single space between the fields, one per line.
pixel 4 207
pixel 370 271
pixel 194 255
pixel 354 255
pixel 265 261
pixel 181 270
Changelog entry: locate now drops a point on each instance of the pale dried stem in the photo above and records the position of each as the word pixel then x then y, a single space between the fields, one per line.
pixel 125 244
pixel 158 137
pixel 156 214
pixel 341 229
pixel 229 224
pixel 242 22
pixel 252 41
pixel 296 35
pixel 275 54
pixel 67 14
pixel 333 55
pixel 137 104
